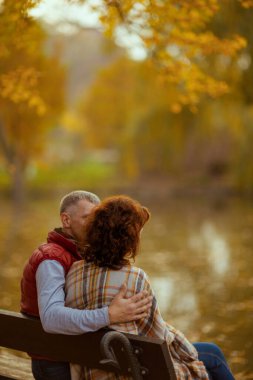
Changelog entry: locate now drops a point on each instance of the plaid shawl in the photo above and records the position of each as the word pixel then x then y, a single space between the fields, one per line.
pixel 91 287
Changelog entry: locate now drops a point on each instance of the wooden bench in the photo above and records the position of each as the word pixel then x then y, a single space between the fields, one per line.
pixel 141 358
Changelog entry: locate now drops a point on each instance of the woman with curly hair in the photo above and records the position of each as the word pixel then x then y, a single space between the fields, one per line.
pixel 112 240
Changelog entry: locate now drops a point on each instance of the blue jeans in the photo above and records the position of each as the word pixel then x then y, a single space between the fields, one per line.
pixel 214 360
pixel 50 370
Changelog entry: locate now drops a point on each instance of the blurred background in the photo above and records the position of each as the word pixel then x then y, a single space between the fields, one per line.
pixel 153 100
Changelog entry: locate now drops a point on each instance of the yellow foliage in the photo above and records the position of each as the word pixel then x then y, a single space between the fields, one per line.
pixel 31 84
pixel 247 3
pixel 176 36
pixel 70 122
pixel 20 85
pixel 142 108
pixel 175 107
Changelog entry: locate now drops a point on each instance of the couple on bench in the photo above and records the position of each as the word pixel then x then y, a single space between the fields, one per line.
pixel 83 279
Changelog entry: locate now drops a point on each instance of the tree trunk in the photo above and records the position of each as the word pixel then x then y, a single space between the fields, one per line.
pixel 16 167
pixel 18 185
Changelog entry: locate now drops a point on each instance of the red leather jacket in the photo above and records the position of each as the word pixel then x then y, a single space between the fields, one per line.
pixel 59 248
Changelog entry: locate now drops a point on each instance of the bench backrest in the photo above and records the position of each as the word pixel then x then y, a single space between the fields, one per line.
pixel 26 334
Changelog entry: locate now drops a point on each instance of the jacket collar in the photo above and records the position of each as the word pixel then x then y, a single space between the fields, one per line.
pixel 66 241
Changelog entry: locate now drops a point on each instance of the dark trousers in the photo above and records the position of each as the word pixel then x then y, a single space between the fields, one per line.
pixel 49 370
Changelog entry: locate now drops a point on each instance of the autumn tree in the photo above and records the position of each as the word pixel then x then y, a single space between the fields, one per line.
pixel 128 108
pixel 135 109
pixel 176 38
pixel 31 90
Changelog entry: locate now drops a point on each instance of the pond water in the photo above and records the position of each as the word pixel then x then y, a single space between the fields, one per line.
pixel 198 255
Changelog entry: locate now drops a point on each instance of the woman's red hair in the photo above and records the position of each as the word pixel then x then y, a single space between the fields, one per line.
pixel 113 231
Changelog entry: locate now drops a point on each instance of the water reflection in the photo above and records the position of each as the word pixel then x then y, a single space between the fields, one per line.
pixel 176 298
pixel 211 242
pixel 163 288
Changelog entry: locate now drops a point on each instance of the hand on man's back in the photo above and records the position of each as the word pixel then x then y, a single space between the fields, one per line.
pixel 124 309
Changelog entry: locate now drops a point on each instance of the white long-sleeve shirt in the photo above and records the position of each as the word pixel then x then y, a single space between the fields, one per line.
pixel 55 317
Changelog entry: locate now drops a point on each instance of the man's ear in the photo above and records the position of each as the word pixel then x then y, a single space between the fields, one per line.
pixel 65 219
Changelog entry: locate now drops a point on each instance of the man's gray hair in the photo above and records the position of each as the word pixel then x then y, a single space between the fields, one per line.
pixel 75 196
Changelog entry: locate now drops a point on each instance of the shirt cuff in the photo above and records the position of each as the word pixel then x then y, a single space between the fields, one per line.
pixel 105 311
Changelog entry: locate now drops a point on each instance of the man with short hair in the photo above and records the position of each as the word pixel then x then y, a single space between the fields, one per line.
pixel 43 283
